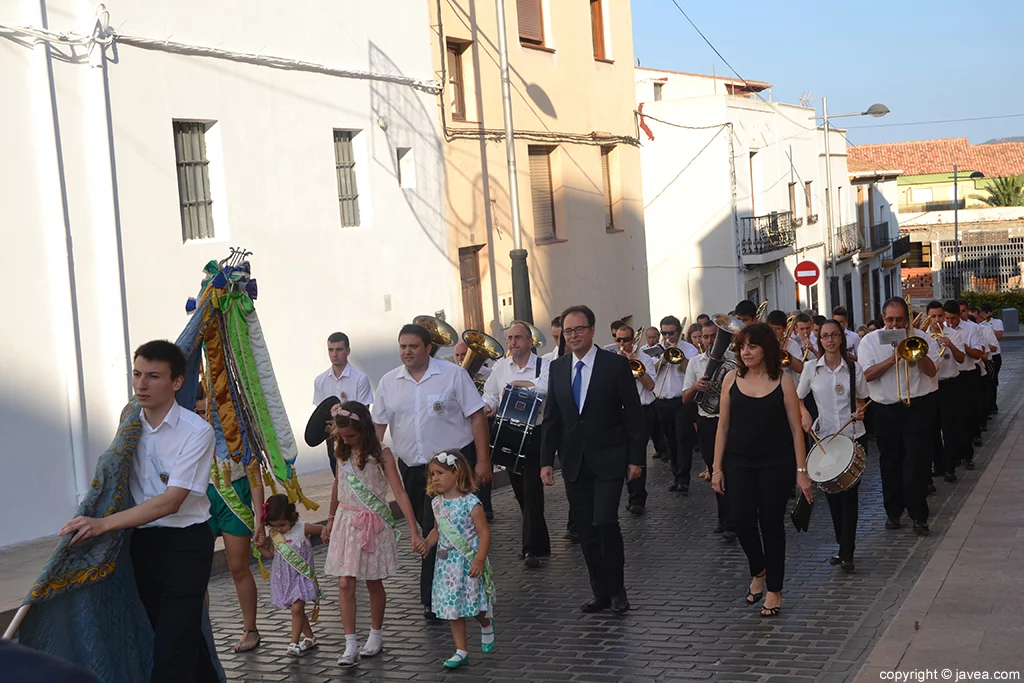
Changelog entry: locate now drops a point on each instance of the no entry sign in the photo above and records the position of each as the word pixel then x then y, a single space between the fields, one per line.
pixel 807 273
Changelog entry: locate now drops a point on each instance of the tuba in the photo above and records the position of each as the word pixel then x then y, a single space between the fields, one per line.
pixel 482 347
pixel 718 363
pixel 441 333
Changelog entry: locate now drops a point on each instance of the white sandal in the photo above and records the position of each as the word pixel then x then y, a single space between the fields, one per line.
pixel 294 650
pixel 365 651
pixel 348 660
pixel 307 644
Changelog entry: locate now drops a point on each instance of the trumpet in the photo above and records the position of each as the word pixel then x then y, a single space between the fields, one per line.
pixel 787 359
pixel 934 329
pixel 910 351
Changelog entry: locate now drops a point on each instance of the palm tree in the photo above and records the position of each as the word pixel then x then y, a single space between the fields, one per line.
pixel 1004 191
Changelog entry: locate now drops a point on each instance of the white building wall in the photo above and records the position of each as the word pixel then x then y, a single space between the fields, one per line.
pixel 277 196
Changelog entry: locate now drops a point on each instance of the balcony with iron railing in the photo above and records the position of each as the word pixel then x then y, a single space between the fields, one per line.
pixel 766 238
pixel 849 240
pixel 877 239
pixel 898 251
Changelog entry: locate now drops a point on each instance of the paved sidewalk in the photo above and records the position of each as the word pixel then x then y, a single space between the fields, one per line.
pixel 964 613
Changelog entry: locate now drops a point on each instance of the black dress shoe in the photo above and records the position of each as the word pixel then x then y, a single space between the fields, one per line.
pixel 719 528
pixel 921 529
pixel 950 477
pixel 673 486
pixel 637 510
pixel 729 535
pixel 683 488
pixel 619 604
pixel 931 488
pixel 594 605
pixel 835 561
pixel 848 566
pixel 429 615
pixel 968 464
pixel 532 561
pixel 892 523
pixel 977 441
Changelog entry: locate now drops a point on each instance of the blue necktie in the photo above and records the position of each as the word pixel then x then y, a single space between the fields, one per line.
pixel 577 386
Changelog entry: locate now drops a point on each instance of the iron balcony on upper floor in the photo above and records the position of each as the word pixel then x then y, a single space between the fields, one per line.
pixel 766 238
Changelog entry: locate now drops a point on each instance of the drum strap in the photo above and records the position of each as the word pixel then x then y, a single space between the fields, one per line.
pixel 539 359
pixel 853 386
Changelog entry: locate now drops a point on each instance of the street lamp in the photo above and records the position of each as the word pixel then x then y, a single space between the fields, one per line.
pixel 876 111
pixel 956 228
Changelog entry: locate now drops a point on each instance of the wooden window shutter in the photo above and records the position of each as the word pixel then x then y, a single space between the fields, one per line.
pixel 531 25
pixel 541 194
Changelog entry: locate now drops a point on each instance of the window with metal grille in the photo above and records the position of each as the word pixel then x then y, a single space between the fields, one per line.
pixel 193 180
pixel 606 185
pixel 542 194
pixel 597 27
pixel 531 23
pixel 345 165
pixel 456 82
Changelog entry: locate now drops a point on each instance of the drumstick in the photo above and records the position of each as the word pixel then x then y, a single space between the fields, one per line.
pixel 817 441
pixel 848 422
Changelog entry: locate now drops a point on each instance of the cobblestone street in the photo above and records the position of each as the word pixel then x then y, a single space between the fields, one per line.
pixel 686 586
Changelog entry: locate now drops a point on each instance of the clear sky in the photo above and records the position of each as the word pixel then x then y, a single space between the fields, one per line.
pixel 925 60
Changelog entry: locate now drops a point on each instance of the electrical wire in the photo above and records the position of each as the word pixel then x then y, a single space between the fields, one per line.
pixel 928 123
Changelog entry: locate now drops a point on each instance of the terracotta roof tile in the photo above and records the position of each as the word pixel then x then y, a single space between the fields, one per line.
pixel 922 157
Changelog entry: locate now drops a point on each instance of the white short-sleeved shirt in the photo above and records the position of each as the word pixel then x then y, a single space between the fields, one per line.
pixel 668 383
pixel 883 390
pixel 795 351
pixel 646 396
pixel 831 391
pixel 997 326
pixel 551 355
pixel 428 416
pixel 177 452
pixel 352 385
pixel 946 365
pixel 973 337
pixel 694 371
pixel 506 371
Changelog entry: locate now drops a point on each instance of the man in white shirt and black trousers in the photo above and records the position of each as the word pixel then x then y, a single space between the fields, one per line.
pixel 593 420
pixel 997 354
pixel 905 434
pixel 431 406
pixel 624 339
pixel 172 544
pixel 523 368
pixel 341 380
pixel 953 443
pixel 970 370
pixel 674 418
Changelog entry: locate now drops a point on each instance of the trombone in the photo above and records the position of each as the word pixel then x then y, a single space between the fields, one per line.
pixel 787 359
pixel 910 351
pixel 635 366
pixel 761 310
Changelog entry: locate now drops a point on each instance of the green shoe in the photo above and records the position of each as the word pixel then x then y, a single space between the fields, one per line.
pixel 455 661
pixel 488 648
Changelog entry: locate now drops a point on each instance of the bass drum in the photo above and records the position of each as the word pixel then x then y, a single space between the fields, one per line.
pixel 835 463
pixel 515 428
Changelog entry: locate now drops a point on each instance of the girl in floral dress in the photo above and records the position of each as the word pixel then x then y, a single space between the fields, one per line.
pixel 293 577
pixel 360 529
pixel 463 586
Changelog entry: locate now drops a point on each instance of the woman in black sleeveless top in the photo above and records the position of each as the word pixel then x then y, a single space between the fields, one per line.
pixel 759 450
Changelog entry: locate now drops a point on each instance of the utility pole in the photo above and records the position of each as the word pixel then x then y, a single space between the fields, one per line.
pixel 956 234
pixel 833 279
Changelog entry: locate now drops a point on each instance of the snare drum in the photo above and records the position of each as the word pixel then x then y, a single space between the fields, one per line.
pixel 515 427
pixel 838 466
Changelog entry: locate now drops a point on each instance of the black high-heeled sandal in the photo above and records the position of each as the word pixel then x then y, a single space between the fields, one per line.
pixel 768 612
pixel 756 596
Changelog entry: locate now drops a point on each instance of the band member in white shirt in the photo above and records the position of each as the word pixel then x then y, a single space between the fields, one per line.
pixel 997 354
pixel 171 545
pixel 840 390
pixel 987 369
pixel 652 336
pixel 653 350
pixel 840 314
pixel 777 321
pixel 953 443
pixel 624 338
pixel 556 336
pixel 343 380
pixel 524 369
pixel 970 369
pixel 905 434
pixel 430 406
pixel 707 424
pixel 680 434
pixel 614 347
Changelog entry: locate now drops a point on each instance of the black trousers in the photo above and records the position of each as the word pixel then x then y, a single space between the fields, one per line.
pixel 637 489
pixel 707 429
pixel 953 439
pixel 594 504
pixel 415 481
pixel 529 492
pixel 676 423
pixel 758 497
pixel 905 437
pixel 845 508
pixel 172 570
pixel 330 456
pixel 971 382
pixel 997 363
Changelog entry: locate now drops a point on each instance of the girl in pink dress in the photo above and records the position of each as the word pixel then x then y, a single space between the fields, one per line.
pixel 360 529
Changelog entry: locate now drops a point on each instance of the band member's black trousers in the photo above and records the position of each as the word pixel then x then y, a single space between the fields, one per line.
pixel 905 436
pixel 637 488
pixel 595 509
pixel 953 440
pixel 707 428
pixel 997 363
pixel 677 426
pixel 330 456
pixel 758 497
pixel 529 493
pixel 971 382
pixel 415 481
pixel 844 508
pixel 172 570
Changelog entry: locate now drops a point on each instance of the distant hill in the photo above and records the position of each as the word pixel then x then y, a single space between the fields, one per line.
pixel 995 141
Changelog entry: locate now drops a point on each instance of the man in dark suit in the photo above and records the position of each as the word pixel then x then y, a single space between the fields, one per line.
pixel 593 420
